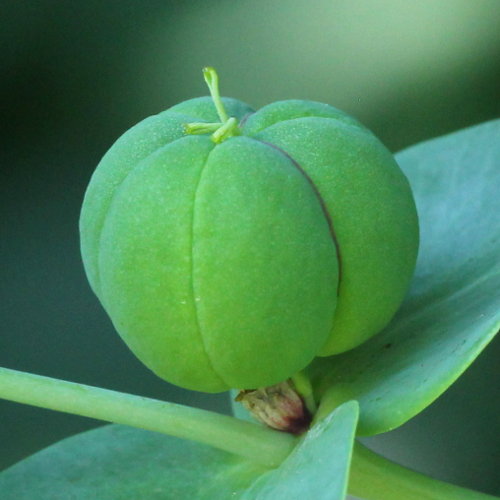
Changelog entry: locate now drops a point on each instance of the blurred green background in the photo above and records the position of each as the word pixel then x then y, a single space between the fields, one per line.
pixel 75 75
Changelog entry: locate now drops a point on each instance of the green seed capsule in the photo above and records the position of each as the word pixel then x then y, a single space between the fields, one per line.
pixel 231 260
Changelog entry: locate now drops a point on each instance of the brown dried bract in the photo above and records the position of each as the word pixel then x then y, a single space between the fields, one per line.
pixel 278 406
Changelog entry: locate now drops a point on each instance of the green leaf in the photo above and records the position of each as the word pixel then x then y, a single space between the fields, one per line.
pixel 122 463
pixel 319 467
pixel 453 308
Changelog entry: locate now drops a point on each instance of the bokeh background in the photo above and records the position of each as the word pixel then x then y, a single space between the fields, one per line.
pixel 75 75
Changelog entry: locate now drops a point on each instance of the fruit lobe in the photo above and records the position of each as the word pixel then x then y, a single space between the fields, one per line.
pixel 370 204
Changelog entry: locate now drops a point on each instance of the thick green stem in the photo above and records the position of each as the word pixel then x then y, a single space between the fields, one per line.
pixel 372 476
pixel 376 478
pixel 242 438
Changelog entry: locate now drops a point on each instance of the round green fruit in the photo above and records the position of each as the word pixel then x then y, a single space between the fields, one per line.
pixel 231 247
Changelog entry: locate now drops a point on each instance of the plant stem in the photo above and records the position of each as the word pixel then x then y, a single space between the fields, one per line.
pixel 304 387
pixel 242 438
pixel 327 404
pixel 372 477
pixel 376 478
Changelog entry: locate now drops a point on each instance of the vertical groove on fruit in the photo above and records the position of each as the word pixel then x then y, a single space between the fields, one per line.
pixel 329 221
pixel 193 287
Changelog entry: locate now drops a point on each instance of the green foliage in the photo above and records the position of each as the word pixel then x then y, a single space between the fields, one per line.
pixel 449 316
pixel 121 463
